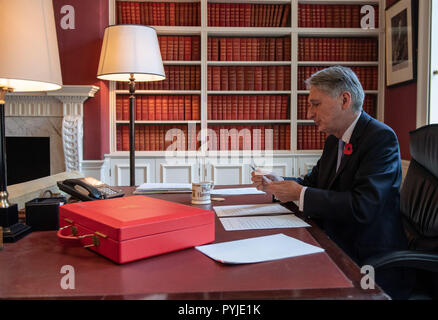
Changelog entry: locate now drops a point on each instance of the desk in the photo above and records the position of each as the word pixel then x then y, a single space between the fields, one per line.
pixel 31 269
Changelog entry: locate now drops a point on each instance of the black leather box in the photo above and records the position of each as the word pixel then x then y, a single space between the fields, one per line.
pixel 43 213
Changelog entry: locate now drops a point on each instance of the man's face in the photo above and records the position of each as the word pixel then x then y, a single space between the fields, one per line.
pixel 325 111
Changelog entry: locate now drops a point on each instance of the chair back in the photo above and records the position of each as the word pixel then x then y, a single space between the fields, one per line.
pixel 419 193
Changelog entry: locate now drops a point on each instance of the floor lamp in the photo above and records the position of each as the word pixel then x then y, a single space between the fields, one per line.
pixel 130 53
pixel 29 61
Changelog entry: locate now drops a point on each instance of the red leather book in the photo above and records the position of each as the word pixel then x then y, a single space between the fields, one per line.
pixel 226 107
pixel 234 106
pixel 282 137
pixel 120 12
pixel 272 81
pixel 195 107
pixel 125 137
pixel 187 48
pixel 165 108
pixel 170 111
pixel 162 134
pixel 220 108
pixel 118 138
pixel 137 108
pixel 227 14
pixel 287 75
pixel 232 85
pixel 280 75
pixel 158 107
pixel 224 78
pixel 249 78
pixel 180 49
pixel 216 78
pixel 136 138
pixel 246 108
pixel 240 107
pixel 175 107
pixel 287 139
pixel 217 10
pixel 252 108
pixel 180 107
pixel 276 145
pixel 214 49
pixel 240 78
pixel 245 15
pixel 125 104
pixel 119 107
pixel 222 14
pixel 272 105
pixel 260 107
pixel 285 17
pixel 258 78
pixel 157 138
pixel 147 137
pixel 300 137
pixel 188 82
pixel 214 107
pixel 209 49
pixel 355 18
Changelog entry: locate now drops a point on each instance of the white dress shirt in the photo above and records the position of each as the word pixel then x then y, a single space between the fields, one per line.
pixel 346 138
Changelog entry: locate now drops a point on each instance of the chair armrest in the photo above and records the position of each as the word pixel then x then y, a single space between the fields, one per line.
pixel 405 258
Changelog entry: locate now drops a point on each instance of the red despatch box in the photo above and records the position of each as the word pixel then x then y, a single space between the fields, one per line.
pixel 136 227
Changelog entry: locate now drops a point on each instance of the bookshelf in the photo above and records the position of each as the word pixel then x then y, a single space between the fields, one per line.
pixel 234 82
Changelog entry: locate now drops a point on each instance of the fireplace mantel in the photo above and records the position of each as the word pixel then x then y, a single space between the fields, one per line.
pixel 66 103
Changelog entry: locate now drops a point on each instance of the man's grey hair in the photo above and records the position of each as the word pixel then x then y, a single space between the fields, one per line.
pixel 337 79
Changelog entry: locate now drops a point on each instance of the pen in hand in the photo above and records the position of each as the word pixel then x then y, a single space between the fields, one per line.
pixel 264 179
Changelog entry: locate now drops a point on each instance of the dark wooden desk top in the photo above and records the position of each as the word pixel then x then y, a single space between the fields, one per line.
pixel 31 269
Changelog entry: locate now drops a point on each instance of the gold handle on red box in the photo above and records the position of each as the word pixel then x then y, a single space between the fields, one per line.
pixel 75 241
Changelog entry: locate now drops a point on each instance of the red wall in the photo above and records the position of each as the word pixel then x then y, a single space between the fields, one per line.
pixel 401 110
pixel 79 51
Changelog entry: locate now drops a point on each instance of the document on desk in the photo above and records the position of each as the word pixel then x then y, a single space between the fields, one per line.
pixel 259 249
pixel 163 188
pixel 236 191
pixel 250 210
pixel 262 222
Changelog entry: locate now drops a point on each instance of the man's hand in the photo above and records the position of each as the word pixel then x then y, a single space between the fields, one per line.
pixel 285 190
pixel 261 180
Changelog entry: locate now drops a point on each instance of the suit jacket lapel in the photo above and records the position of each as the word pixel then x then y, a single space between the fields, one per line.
pixel 354 141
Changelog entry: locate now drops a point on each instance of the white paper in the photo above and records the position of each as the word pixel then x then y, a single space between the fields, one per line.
pixel 259 249
pixel 164 186
pixel 263 222
pixel 237 191
pixel 250 209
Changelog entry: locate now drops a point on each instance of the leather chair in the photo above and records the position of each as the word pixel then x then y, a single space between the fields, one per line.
pixel 419 209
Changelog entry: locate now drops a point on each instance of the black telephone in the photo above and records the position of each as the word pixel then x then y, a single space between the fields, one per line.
pixel 89 188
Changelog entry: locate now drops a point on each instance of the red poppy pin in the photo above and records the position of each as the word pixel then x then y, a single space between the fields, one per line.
pixel 348 149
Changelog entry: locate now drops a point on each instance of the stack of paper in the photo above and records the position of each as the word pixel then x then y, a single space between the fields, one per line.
pixel 163 188
pixel 236 191
pixel 257 216
pixel 259 249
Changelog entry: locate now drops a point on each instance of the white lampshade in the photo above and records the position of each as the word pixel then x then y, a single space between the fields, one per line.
pixel 29 57
pixel 130 49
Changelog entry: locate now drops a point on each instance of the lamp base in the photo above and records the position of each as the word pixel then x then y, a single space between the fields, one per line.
pixel 12 229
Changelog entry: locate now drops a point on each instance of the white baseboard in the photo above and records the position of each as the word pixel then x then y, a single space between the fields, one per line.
pixel 92 168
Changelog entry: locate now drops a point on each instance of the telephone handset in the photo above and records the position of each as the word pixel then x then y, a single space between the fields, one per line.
pixel 87 189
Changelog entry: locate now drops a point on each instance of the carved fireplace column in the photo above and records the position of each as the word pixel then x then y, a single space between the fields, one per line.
pixel 72 99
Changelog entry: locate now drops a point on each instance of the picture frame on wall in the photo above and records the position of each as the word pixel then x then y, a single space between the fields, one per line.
pixel 400 36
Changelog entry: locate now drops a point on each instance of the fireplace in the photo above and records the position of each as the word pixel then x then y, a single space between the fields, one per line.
pixel 28 158
pixel 54 114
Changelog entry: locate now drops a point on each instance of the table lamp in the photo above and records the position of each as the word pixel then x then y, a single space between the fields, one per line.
pixel 29 61
pixel 130 53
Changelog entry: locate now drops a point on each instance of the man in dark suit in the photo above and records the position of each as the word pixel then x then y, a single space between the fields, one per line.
pixel 353 192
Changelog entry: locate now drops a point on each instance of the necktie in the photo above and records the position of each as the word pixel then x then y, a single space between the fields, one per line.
pixel 341 145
